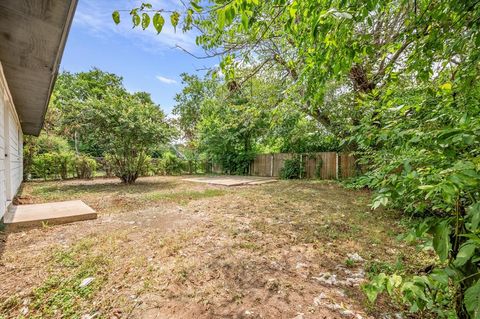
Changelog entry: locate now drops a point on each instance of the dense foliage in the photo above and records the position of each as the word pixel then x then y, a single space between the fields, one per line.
pixel 229 127
pixel 92 114
pixel 50 156
pixel 398 82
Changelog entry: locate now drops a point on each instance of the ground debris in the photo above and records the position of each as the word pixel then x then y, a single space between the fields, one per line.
pixel 327 278
pixel 355 257
pixel 85 282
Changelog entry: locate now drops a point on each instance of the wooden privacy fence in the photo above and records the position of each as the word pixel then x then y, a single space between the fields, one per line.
pixel 323 165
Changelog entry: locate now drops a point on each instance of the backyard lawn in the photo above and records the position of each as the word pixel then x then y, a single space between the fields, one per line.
pixel 167 248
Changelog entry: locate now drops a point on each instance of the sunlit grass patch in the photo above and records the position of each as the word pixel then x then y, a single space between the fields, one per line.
pixel 60 294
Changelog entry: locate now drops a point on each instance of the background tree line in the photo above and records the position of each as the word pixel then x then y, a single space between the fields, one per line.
pixel 91 116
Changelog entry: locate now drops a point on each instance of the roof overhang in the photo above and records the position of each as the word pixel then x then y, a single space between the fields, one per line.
pixel 32 38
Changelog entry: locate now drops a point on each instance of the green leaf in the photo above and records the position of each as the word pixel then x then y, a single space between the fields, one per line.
pixel 376 286
pixel 465 253
pixel 221 18
pixel 474 214
pixel 195 6
pixel 174 18
pixel 394 281
pixel 472 300
pixel 245 21
pixel 441 240
pixel 116 17
pixel 135 19
pixel 145 21
pixel 145 6
pixel 440 275
pixel 158 22
pixel 371 292
pixel 380 200
pixel 426 187
pixel 446 86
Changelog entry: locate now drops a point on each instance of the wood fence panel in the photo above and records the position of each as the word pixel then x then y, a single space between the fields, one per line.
pixel 254 167
pixel 310 165
pixel 278 162
pixel 328 162
pixel 270 165
pixel 347 165
pixel 261 165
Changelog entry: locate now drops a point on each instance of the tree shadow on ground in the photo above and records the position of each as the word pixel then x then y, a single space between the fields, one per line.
pixel 107 187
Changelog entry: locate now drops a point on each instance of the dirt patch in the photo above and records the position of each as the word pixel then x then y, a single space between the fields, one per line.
pixel 167 248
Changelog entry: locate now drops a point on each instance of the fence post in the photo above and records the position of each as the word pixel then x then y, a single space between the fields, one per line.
pixel 336 165
pixel 271 164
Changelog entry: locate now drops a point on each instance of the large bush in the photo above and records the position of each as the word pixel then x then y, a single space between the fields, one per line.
pixel 127 127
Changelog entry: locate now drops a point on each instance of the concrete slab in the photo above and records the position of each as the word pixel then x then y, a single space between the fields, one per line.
pixel 26 216
pixel 232 180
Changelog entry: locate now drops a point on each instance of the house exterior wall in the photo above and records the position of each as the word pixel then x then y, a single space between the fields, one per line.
pixel 11 147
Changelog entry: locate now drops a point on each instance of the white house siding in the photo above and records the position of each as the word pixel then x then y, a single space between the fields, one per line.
pixel 15 153
pixel 3 191
pixel 11 147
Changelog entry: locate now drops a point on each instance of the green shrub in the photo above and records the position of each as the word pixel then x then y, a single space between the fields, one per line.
pixel 42 165
pixel 64 163
pixel 53 165
pixel 292 169
pixel 85 166
pixel 58 162
pixel 170 164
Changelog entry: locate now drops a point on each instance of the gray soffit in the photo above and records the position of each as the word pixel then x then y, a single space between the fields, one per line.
pixel 32 38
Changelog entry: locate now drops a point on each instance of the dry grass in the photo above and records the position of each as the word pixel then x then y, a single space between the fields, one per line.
pixel 165 248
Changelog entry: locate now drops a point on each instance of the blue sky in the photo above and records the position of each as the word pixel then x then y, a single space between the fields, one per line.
pixel 146 61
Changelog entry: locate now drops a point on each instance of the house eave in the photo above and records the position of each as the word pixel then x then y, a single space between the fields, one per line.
pixel 33 34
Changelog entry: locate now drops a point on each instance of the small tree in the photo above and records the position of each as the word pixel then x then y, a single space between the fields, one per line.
pixel 127 127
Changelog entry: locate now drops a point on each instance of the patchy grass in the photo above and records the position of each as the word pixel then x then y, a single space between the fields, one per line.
pixel 182 197
pixel 169 248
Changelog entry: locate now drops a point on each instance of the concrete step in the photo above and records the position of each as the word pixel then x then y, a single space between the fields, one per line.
pixel 38 215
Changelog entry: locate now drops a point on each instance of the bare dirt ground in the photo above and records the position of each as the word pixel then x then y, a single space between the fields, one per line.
pixel 167 248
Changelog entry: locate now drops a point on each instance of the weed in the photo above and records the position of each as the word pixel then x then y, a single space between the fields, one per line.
pixel 350 263
pixel 60 293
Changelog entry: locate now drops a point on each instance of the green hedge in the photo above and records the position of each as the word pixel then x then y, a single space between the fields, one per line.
pixel 62 165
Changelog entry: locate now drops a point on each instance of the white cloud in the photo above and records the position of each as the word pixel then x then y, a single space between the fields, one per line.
pixel 165 80
pixel 95 16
